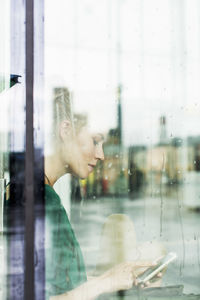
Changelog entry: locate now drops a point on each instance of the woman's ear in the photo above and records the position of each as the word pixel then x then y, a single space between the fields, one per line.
pixel 65 130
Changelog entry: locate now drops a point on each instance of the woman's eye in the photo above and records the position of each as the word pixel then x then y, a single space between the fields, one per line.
pixel 95 142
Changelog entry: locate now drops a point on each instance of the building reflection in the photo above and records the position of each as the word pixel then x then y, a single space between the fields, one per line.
pixel 138 170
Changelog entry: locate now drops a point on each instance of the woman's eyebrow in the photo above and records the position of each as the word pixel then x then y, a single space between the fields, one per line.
pixel 101 136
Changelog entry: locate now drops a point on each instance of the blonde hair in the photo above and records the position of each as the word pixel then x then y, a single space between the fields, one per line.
pixel 62 108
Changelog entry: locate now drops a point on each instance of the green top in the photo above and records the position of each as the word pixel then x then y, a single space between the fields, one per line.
pixel 65 267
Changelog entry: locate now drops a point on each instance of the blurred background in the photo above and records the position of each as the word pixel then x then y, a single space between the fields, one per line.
pixel 132 69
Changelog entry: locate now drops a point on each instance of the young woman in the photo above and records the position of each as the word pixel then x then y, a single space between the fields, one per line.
pixel 74 150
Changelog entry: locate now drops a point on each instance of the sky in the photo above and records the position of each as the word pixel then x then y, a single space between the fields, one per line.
pixel 150 47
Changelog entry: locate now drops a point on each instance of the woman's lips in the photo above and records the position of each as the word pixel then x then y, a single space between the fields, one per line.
pixel 91 167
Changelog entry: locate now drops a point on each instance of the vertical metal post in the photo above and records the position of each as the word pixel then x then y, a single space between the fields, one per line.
pixel 119 87
pixel 29 156
pixel 119 113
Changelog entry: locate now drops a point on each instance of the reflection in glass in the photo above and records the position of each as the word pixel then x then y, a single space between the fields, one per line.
pixel 132 68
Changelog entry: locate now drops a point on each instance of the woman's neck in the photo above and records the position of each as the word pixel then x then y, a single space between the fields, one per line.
pixel 54 169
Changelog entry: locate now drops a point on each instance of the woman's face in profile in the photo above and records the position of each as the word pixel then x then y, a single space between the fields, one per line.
pixel 88 151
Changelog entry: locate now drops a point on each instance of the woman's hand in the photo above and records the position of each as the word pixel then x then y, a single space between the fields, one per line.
pixel 124 275
pixel 121 277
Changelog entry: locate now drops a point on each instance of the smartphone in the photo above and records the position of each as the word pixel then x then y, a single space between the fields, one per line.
pixel 152 272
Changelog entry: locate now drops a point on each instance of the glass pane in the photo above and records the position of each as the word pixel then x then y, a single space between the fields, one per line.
pixel 12 147
pixel 39 259
pixel 13 150
pixel 4 125
pixel 124 73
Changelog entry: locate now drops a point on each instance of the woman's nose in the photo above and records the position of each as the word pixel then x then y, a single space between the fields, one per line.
pixel 99 154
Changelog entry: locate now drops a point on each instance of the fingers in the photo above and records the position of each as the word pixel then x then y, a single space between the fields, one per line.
pixel 145 285
pixel 135 281
pixel 149 283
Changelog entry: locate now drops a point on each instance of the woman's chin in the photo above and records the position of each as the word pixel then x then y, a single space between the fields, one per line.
pixel 83 174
